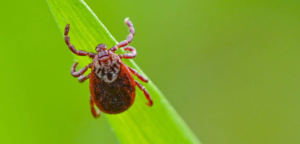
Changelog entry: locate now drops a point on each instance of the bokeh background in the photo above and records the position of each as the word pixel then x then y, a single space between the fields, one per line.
pixel 230 68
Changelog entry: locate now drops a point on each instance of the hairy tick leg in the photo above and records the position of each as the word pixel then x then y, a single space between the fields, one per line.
pixel 114 48
pixel 122 43
pixel 147 95
pixel 141 77
pixel 82 78
pixel 131 30
pixel 129 37
pixel 80 72
pixel 72 48
pixel 130 55
pixel 95 113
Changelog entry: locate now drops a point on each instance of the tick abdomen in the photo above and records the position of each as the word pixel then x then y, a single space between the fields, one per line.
pixel 113 97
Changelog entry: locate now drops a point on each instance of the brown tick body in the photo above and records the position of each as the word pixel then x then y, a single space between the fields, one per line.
pixel 112 86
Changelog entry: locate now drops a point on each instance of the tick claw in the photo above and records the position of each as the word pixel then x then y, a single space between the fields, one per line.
pixel 149 103
pixel 97 115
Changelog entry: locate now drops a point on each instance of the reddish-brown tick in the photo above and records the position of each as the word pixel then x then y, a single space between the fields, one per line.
pixel 112 86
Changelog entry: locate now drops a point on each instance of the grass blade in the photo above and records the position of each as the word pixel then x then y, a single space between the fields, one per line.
pixel 139 124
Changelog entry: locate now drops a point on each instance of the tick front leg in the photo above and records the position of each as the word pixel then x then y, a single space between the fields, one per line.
pixel 147 95
pixel 130 55
pixel 129 37
pixel 72 48
pixel 95 113
pixel 80 72
pixel 141 77
pixel 82 78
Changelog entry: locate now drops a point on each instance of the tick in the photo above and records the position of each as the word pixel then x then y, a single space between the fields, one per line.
pixel 112 86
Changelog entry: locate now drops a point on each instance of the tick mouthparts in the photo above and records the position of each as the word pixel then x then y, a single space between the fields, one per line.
pixel 103 54
pixel 103 58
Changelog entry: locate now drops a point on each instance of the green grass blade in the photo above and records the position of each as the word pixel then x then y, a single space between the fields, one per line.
pixel 140 124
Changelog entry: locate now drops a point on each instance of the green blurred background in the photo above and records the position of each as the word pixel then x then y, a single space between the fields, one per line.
pixel 230 68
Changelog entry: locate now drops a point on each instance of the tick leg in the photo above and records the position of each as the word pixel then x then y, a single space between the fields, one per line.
pixel 130 55
pixel 129 37
pixel 142 78
pixel 147 95
pixel 80 72
pixel 72 48
pixel 82 78
pixel 95 113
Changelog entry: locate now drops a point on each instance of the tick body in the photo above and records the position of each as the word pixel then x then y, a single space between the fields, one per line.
pixel 112 86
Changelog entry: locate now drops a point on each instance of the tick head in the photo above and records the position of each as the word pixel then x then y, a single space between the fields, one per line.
pixel 102 51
